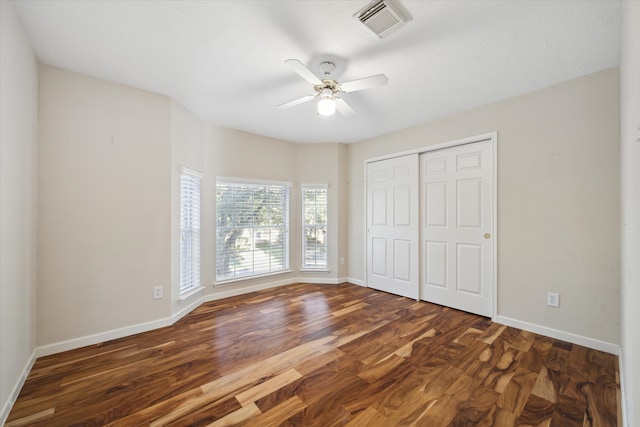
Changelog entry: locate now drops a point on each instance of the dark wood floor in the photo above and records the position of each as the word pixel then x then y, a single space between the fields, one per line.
pixel 324 355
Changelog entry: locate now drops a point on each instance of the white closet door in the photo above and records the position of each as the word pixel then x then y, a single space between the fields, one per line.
pixel 456 188
pixel 392 226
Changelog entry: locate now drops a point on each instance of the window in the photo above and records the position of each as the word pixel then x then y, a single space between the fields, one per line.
pixel 252 228
pixel 314 227
pixel 189 229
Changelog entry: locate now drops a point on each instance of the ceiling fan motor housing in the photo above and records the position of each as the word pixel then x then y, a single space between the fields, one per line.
pixel 331 85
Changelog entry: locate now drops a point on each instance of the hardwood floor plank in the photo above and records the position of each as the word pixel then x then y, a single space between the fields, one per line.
pixel 317 362
pixel 435 389
pixel 324 355
pixel 350 309
pixel 328 389
pixel 492 332
pixel 478 410
pixel 238 417
pixel 267 387
pixel 278 414
pixel 406 379
pixel 441 413
pixel 537 411
pixel 544 387
pixel 381 368
pixel 30 419
pixel 601 410
pixel 517 391
pixel 209 414
pixel 388 389
pixel 568 412
pixel 368 417
pixel 462 388
pixel 406 350
pixel 268 367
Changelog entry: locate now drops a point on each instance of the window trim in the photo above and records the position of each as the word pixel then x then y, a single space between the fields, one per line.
pixel 250 181
pixel 304 268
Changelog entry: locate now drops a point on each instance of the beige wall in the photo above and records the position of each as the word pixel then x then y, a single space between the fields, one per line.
pixel 558 200
pixel 104 206
pixel 18 137
pixel 323 163
pixel 630 179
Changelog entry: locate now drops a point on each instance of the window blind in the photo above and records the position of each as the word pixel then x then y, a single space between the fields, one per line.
pixel 190 183
pixel 252 229
pixel 314 227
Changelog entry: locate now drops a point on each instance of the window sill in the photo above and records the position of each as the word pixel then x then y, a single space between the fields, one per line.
pixel 245 278
pixel 315 270
pixel 189 293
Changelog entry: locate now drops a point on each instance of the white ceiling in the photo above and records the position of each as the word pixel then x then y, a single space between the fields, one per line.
pixel 224 60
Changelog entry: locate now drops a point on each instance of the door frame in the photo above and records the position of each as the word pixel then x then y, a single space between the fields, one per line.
pixel 493 138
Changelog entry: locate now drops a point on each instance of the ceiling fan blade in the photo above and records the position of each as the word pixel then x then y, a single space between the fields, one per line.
pixel 365 83
pixel 343 107
pixel 297 101
pixel 304 72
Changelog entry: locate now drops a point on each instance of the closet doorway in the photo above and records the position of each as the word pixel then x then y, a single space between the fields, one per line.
pixel 431 224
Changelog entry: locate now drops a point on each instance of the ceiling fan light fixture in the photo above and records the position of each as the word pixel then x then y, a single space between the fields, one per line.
pixel 326 106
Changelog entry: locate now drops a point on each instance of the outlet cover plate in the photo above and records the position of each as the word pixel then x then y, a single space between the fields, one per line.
pixel 553 299
pixel 157 292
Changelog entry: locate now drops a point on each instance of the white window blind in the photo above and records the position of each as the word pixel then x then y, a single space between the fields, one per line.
pixel 190 182
pixel 252 229
pixel 314 226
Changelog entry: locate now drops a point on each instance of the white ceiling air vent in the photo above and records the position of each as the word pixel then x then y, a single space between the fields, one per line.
pixel 383 17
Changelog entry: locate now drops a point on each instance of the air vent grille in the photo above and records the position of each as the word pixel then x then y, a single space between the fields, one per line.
pixel 383 17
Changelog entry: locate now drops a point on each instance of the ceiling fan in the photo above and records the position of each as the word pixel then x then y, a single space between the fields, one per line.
pixel 328 89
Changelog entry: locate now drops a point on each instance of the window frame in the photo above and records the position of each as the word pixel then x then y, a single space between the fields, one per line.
pixel 257 184
pixel 303 265
pixel 193 228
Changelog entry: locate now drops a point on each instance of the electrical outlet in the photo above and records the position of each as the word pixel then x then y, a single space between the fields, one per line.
pixel 157 292
pixel 342 261
pixel 553 299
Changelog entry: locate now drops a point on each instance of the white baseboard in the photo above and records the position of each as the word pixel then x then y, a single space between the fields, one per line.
pixel 322 280
pixel 623 406
pixel 113 334
pixel 6 406
pixel 197 302
pixel 593 343
pixel 356 281
pixel 226 293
